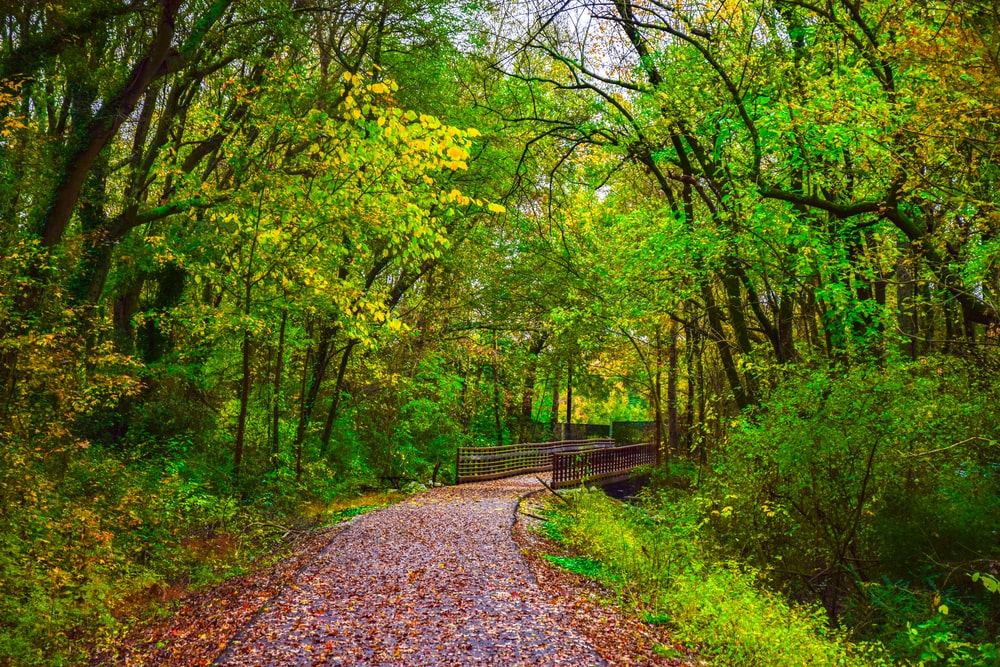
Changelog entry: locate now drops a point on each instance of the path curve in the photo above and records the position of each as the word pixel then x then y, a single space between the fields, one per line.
pixel 434 580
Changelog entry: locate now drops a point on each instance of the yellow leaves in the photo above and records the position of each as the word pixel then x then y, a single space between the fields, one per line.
pixel 379 88
pixel 430 122
pixel 457 157
pixel 10 96
pixel 496 208
pixel 456 196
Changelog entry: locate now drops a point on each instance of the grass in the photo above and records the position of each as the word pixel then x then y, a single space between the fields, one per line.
pixel 583 566
pixel 658 565
pixel 340 509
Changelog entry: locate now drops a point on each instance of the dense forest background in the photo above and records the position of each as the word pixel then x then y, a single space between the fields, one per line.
pixel 258 255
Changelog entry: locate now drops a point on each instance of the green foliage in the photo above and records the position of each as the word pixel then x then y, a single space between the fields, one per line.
pixel 657 561
pixel 869 489
pixel 937 642
pixel 75 553
pixel 990 583
pixel 582 566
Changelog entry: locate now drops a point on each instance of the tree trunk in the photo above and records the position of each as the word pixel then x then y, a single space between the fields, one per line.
pixel 528 393
pixel 338 387
pixel 786 330
pixel 702 402
pixel 740 394
pixel 306 366
pixel 241 424
pixel 497 417
pixel 569 398
pixel 658 401
pixel 689 345
pixel 674 434
pixel 554 417
pixel 320 362
pixel 124 309
pixel 279 368
pixel 245 384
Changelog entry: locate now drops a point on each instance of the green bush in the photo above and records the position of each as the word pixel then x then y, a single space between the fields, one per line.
pixel 659 562
pixel 870 490
pixel 77 546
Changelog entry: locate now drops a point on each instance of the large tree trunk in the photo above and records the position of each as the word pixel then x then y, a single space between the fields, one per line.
pixel 91 139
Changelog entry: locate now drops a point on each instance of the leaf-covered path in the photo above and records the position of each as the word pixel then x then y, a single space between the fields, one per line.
pixel 434 580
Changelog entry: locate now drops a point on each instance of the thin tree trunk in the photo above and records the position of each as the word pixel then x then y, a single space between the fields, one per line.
pixel 786 330
pixel 245 384
pixel 702 402
pixel 658 401
pixel 498 421
pixel 569 398
pixel 525 429
pixel 554 417
pixel 241 427
pixel 725 352
pixel 320 363
pixel 689 374
pixel 674 434
pixel 331 415
pixel 279 368
pixel 306 365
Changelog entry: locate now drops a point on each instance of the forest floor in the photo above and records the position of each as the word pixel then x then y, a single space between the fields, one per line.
pixel 451 576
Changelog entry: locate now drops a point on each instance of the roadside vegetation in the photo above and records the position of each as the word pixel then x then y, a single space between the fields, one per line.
pixel 824 534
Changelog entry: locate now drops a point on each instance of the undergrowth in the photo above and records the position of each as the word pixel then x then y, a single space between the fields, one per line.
pixel 117 542
pixel 660 567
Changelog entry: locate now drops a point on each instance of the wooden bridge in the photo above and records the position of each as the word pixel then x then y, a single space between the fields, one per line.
pixel 570 461
pixel 600 466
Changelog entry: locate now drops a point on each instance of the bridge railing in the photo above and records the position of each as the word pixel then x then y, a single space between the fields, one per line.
pixel 477 464
pixel 572 468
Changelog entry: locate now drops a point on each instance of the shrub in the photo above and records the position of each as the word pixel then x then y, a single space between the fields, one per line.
pixel 869 475
pixel 658 561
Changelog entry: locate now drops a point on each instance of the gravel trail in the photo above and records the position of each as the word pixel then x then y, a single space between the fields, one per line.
pixel 434 580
